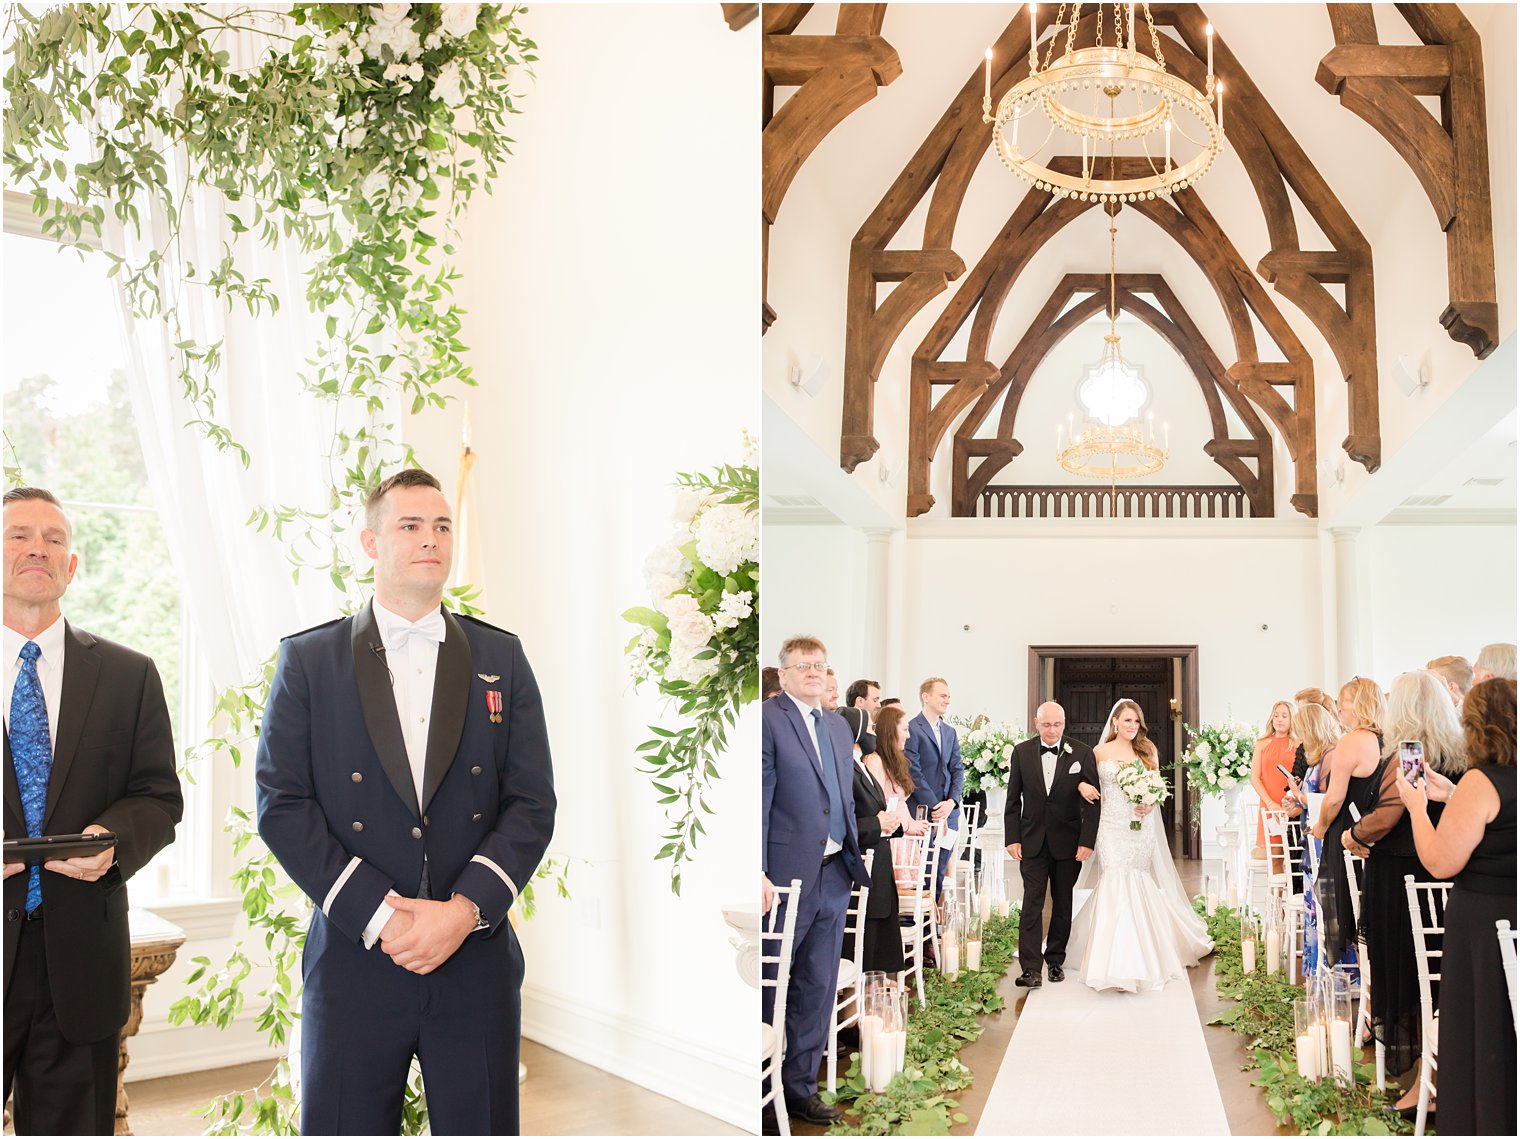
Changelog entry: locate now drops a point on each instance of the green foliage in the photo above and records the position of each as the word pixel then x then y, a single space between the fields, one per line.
pixel 916 1101
pixel 1263 1014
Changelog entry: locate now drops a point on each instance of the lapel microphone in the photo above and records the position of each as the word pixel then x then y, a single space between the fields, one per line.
pixel 379 651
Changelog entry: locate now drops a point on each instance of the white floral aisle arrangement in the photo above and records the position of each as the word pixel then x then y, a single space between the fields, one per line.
pixel 699 641
pixel 986 750
pixel 1141 786
pixel 1218 757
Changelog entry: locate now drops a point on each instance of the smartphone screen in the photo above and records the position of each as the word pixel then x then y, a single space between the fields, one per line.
pixel 1412 759
pixel 1286 773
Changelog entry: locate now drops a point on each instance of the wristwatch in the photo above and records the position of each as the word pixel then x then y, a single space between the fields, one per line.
pixel 480 922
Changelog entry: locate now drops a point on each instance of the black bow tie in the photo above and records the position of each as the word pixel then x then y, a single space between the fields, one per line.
pixel 1053 749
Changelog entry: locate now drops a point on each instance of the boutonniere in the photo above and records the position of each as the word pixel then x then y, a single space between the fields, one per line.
pixel 493 705
pixel 1067 749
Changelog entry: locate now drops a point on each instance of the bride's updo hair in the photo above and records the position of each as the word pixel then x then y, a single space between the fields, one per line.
pixel 1142 745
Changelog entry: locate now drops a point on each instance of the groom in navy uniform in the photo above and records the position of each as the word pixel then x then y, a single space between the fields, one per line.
pixel 807 825
pixel 934 759
pixel 404 783
pixel 1050 826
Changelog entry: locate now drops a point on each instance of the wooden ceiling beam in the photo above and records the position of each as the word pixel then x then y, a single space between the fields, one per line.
pixel 1424 69
pixel 740 15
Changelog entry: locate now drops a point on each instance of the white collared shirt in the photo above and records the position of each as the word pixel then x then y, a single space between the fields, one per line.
pixel 413 663
pixel 49 670
pixel 831 846
pixel 1048 764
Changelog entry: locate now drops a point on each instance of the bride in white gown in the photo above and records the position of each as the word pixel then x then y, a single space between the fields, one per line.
pixel 1136 930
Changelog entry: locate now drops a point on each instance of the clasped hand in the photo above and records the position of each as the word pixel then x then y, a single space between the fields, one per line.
pixel 421 935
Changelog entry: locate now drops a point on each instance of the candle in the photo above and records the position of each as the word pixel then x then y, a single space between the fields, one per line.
pixel 1248 955
pixel 1003 908
pixel 951 952
pixel 1208 30
pixel 1323 1046
pixel 884 1065
pixel 1211 904
pixel 870 1029
pixel 1340 1049
pixel 974 955
pixel 985 905
pixel 987 94
pixel 1274 951
pixel 1168 165
pixel 1034 35
pixel 1307 1051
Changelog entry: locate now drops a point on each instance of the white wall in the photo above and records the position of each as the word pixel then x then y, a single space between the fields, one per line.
pixel 825 600
pixel 612 284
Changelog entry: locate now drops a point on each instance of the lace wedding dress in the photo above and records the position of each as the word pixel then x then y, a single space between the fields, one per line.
pixel 1136 930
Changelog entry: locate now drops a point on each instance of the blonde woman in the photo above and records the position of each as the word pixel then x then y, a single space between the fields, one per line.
pixel 1320 733
pixel 1272 766
pixel 1418 709
pixel 1138 930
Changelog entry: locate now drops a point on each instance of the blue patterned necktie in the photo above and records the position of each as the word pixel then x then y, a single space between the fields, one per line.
pixel 830 778
pixel 32 755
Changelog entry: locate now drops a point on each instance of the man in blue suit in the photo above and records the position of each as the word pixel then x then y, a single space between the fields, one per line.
pixel 807 833
pixel 934 758
pixel 404 783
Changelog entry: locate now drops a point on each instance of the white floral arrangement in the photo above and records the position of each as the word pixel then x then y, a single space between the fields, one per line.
pixel 986 750
pixel 1218 757
pixel 1141 786
pixel 699 640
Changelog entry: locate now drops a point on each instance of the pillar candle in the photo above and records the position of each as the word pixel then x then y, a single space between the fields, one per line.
pixel 951 952
pixel 1340 1050
pixel 1003 908
pixel 884 1066
pixel 1248 956
pixel 984 904
pixel 1306 1050
pixel 870 1029
pixel 974 955
pixel 1274 951
pixel 1211 904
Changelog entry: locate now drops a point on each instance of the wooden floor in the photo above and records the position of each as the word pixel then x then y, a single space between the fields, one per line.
pixel 560 1097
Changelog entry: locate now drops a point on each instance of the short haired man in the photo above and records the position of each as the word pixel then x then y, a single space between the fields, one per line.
pixel 770 682
pixel 888 701
pixel 934 758
pixel 865 695
pixel 1498 660
pixel 807 827
pixel 831 692
pixel 87 735
pixel 404 783
pixel 1455 675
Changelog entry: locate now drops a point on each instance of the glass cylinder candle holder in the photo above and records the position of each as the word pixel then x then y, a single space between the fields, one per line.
pixel 1272 936
pixel 1210 894
pixel 1308 1046
pixel 1340 1020
pixel 950 941
pixel 1250 937
pixel 974 920
pixel 1295 960
pixel 888 1030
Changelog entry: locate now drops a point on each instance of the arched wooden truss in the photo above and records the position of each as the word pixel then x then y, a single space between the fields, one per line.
pixel 1379 83
pixel 835 75
pixel 1165 314
pixel 943 166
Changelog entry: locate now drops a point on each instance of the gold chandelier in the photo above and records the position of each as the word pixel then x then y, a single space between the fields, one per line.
pixel 1113 447
pixel 1107 94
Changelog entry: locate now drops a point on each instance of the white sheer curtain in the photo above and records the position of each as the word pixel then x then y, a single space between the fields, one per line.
pixel 238 583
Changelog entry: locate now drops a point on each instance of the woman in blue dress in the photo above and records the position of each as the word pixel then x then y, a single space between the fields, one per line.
pixel 1319 733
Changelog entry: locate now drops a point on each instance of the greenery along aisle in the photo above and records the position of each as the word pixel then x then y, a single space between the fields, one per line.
pixel 917 1102
pixel 1264 1015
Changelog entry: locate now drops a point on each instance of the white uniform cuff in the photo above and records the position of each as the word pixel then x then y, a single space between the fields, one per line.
pixel 348 871
pixel 499 872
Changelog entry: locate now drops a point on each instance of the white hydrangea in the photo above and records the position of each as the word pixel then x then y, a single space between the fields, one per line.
pixel 727 537
pixel 688 504
pixel 666 570
pixel 392 29
pixel 734 608
pixel 684 665
pixel 449 84
pixel 460 19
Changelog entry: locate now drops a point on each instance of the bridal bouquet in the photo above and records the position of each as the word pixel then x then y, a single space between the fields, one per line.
pixel 1141 786
pixel 1219 756
pixel 986 750
pixel 700 640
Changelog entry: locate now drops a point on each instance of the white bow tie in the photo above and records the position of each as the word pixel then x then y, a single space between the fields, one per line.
pixel 430 628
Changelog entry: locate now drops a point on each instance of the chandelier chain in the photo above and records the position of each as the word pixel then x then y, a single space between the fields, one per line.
pixel 1050 48
pixel 1118 26
pixel 1100 24
pixel 1155 38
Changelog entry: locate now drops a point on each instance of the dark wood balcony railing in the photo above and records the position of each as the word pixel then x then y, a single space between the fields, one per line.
pixel 1126 502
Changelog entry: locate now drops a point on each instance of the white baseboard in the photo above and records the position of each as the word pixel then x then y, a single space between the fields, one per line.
pixel 723 1085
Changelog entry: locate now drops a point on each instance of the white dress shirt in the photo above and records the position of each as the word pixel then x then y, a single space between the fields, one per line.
pixel 831 847
pixel 411 654
pixel 49 671
pixel 1048 765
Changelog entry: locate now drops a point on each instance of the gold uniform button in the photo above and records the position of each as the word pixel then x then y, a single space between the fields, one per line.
pixel 358 826
pixel 416 832
pixel 474 771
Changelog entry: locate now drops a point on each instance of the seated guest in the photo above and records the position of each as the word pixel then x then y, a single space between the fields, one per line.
pixel 770 682
pixel 1320 733
pixel 1495 660
pixel 1418 709
pixel 1353 783
pixel 883 951
pixel 1475 844
pixel 1456 674
pixel 864 694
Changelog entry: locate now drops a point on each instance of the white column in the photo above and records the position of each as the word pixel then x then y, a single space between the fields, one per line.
pixel 877 609
pixel 1349 585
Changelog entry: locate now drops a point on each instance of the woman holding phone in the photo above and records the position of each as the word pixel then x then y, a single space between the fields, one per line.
pixel 1419 712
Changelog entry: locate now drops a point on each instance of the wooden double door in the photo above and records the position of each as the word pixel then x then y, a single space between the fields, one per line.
pixel 1088 687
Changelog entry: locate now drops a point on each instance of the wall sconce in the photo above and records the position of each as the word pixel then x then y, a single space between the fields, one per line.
pixel 810 375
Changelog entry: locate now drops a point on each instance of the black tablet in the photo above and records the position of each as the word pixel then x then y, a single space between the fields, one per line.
pixel 48 847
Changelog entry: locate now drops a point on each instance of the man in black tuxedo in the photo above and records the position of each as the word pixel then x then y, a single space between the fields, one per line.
pixel 1050 828
pixel 88 748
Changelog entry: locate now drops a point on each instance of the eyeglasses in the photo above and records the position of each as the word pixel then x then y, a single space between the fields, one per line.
pixel 808 666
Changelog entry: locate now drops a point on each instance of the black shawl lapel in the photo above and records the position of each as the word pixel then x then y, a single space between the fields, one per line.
pixel 451 702
pixel 1034 772
pixel 15 824
pixel 81 671
pixel 379 705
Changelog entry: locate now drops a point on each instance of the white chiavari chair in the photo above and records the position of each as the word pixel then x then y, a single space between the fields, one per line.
pixel 847 986
pixel 1427 920
pixel 1255 868
pixel 778 930
pixel 913 865
pixel 1507 952
pixel 1354 867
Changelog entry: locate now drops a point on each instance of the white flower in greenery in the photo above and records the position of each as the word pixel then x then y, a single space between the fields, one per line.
pixel 1227 781
pixel 448 85
pixel 666 562
pixel 662 585
pixel 688 503
pixel 376 185
pixel 687 621
pixel 734 608
pixel 727 537
pixel 684 665
pixel 1203 749
pixel 1007 751
pixel 460 19
pixel 389 16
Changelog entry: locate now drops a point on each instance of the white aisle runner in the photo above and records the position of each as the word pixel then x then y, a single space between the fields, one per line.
pixel 1087 1063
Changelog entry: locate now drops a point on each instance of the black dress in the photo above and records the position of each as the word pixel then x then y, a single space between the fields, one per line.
pixel 1395 999
pixel 1477 1028
pixel 883 942
pixel 1339 919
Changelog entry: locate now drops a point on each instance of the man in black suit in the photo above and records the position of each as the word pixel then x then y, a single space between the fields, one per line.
pixel 1050 828
pixel 404 783
pixel 88 749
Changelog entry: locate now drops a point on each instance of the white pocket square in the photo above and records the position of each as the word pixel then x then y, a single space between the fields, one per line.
pixel 1074 769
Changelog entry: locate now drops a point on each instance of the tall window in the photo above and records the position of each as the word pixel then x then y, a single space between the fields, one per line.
pixel 69 427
